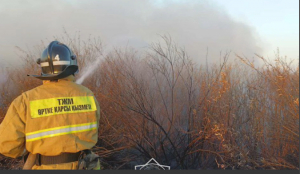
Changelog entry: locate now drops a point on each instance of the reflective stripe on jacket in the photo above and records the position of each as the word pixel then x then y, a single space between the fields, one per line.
pixel 50 119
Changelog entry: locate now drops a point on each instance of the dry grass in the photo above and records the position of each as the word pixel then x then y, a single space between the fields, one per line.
pixel 163 105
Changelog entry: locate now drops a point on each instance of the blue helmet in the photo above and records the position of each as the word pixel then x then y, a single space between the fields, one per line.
pixel 57 61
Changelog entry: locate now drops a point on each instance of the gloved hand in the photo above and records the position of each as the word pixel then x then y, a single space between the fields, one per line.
pixel 88 160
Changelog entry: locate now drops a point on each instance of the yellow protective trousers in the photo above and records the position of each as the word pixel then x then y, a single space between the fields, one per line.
pixel 54 118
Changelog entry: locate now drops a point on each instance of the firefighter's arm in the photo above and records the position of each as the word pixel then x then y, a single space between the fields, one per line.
pixel 12 128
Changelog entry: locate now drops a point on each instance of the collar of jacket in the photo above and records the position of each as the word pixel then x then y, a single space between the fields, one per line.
pixel 69 78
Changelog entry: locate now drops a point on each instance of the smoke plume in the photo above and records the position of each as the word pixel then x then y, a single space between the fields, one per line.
pixel 196 25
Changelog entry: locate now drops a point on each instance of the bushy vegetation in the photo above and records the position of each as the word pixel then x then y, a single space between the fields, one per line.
pixel 161 104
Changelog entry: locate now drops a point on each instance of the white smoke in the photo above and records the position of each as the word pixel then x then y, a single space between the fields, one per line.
pixel 3 76
pixel 193 24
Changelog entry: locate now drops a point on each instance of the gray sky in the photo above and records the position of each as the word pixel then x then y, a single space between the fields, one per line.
pixel 193 24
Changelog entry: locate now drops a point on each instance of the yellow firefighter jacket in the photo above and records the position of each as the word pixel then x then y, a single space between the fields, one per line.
pixel 50 119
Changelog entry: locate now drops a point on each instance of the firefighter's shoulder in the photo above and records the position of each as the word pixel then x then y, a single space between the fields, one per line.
pixel 83 88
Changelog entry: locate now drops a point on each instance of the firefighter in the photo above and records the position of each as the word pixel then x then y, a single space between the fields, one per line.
pixel 56 121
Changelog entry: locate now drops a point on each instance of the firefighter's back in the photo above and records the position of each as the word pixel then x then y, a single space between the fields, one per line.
pixel 61 117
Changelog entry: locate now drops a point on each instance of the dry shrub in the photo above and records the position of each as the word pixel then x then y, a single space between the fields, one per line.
pixel 163 105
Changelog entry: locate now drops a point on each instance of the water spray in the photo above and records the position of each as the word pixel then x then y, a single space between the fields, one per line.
pixel 89 69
